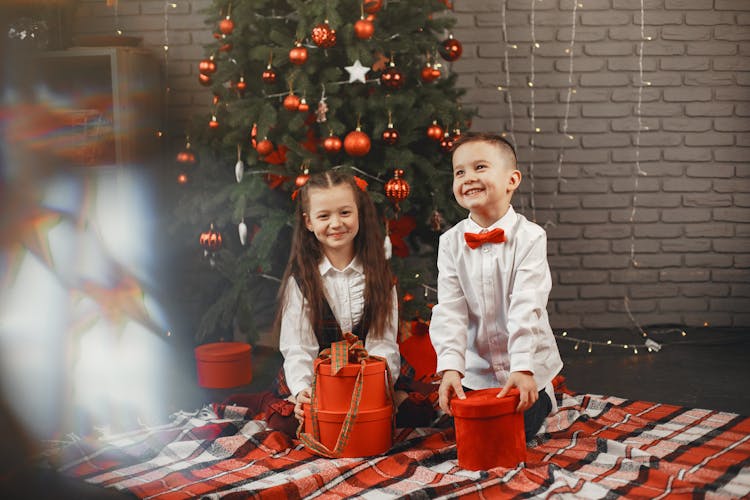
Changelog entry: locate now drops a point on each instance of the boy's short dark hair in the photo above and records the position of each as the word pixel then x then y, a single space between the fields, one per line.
pixel 495 139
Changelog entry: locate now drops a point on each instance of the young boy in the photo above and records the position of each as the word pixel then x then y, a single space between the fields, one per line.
pixel 490 326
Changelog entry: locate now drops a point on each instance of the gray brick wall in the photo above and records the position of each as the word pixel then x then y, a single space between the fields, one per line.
pixel 685 219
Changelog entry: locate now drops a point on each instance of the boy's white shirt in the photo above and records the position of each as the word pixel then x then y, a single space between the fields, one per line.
pixel 345 292
pixel 491 316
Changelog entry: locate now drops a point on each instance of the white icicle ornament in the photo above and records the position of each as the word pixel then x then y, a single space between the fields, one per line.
pixel 239 170
pixel 388 247
pixel 242 229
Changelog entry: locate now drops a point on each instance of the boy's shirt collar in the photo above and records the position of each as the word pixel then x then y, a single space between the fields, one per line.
pixel 506 223
pixel 325 266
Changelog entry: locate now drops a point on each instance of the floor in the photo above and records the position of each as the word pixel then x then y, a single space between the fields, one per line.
pixel 703 369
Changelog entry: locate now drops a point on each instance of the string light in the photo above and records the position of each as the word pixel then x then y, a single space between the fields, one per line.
pixel 570 50
pixel 532 107
pixel 508 96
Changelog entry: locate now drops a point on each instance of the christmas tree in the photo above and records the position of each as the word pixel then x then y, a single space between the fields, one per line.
pixel 304 86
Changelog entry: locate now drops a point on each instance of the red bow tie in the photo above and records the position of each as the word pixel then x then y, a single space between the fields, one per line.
pixel 476 240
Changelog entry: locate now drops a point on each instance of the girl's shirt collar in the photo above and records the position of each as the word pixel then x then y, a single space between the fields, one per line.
pixel 325 266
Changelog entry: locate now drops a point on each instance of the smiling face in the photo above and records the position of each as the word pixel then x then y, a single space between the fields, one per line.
pixel 333 217
pixel 484 178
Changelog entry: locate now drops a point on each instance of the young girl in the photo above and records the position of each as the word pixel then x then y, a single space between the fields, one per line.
pixel 337 280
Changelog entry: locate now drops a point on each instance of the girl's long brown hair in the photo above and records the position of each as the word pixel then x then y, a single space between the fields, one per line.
pixel 306 254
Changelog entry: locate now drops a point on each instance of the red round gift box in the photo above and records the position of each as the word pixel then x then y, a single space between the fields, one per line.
pixel 334 392
pixel 224 364
pixel 371 434
pixel 489 431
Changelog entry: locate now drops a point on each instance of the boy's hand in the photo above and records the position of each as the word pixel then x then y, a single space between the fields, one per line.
pixel 524 381
pixel 450 386
pixel 303 396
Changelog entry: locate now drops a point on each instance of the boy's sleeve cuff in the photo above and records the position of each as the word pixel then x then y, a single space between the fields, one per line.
pixel 521 362
pixel 451 362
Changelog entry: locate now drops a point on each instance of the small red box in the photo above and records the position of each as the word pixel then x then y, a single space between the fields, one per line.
pixel 224 364
pixel 489 431
pixel 370 435
pixel 334 392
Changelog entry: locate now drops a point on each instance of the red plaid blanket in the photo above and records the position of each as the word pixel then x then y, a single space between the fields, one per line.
pixel 594 447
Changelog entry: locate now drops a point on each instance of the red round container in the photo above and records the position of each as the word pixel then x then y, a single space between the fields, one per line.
pixel 334 392
pixel 224 364
pixel 489 431
pixel 371 434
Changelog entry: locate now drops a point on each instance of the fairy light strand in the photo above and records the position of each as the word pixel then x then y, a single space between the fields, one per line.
pixel 566 116
pixel 506 89
pixel 532 109
pixel 637 171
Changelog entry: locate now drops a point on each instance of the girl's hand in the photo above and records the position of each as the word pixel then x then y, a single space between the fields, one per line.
pixel 303 397
pixel 524 381
pixel 450 386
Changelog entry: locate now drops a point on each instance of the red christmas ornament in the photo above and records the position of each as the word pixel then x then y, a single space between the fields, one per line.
pixel 204 80
pixel 214 123
pixel 332 144
pixel 372 6
pixel 207 66
pixel 211 240
pixel 227 46
pixel 390 135
pixel 392 78
pixel 324 36
pixel 215 99
pixel 357 143
pixel 434 131
pixel 291 102
pixel 397 189
pixel 241 86
pixel 226 25
pixel 254 135
pixel 298 54
pixel 264 147
pixel 430 73
pixel 302 178
pixel 186 155
pixel 269 75
pixel 303 106
pixel 450 49
pixel 364 29
pixel 446 143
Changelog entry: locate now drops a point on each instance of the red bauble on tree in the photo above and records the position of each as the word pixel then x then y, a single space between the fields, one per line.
pixel 392 78
pixel 430 73
pixel 390 135
pixel 435 131
pixel 332 144
pixel 264 147
pixel 204 80
pixel 446 143
pixel 211 240
pixel 303 106
pixel 226 25
pixel 323 35
pixel 298 54
pixel 357 143
pixel 450 49
pixel 186 155
pixel 291 102
pixel 241 86
pixel 207 66
pixel 213 123
pixel 397 189
pixel 269 75
pixel 364 29
pixel 302 178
